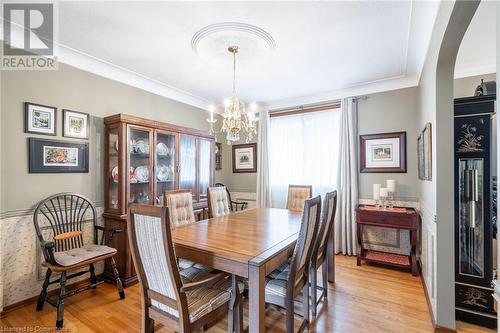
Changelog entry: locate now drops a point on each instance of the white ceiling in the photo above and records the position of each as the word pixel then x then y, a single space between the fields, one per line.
pixel 477 53
pixel 323 50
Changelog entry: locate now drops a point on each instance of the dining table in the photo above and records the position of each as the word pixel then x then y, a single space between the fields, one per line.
pixel 249 244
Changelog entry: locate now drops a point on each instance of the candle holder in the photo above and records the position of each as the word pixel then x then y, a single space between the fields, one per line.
pixel 390 199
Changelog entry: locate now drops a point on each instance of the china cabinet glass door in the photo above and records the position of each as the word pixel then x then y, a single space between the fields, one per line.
pixel 113 169
pixel 140 166
pixel 205 167
pixel 187 163
pixel 165 167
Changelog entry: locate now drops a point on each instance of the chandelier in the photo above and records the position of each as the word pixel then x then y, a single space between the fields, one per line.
pixel 236 119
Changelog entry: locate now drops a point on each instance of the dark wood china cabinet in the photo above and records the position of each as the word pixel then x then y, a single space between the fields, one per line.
pixel 143 159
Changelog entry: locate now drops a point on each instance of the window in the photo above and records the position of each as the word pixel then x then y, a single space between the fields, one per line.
pixel 303 150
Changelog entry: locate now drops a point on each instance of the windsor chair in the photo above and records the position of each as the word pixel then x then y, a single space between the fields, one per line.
pixel 60 223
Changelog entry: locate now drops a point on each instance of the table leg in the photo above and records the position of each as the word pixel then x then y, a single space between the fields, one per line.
pixel 413 253
pixel 330 260
pixel 359 237
pixel 256 293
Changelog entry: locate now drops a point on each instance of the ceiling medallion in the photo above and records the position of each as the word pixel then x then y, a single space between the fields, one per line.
pixel 232 29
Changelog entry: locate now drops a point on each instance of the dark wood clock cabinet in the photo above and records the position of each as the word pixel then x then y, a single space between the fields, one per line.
pixel 475 213
pixel 143 159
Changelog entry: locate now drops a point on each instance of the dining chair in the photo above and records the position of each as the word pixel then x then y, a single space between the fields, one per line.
pixel 167 297
pixel 218 202
pixel 289 281
pixel 234 205
pixel 319 254
pixel 67 231
pixel 180 211
pixel 297 195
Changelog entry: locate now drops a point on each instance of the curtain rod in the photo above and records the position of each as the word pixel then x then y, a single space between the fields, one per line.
pixel 304 109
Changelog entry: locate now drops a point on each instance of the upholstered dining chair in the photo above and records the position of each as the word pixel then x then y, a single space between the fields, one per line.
pixel 180 212
pixel 182 306
pixel 234 205
pixel 319 254
pixel 297 195
pixel 66 228
pixel 218 202
pixel 285 284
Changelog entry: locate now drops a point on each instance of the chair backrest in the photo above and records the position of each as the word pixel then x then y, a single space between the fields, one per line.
pixel 180 207
pixel 228 195
pixel 299 269
pixel 152 249
pixel 65 213
pixel 218 202
pixel 326 225
pixel 297 195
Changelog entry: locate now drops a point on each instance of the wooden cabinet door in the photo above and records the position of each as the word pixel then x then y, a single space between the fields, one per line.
pixel 166 163
pixel 188 161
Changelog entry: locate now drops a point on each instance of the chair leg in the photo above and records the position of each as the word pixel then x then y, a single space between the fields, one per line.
pixel 117 278
pixel 239 315
pixel 60 302
pixel 314 285
pixel 93 279
pixel 233 305
pixel 43 293
pixel 324 270
pixel 290 312
pixel 305 304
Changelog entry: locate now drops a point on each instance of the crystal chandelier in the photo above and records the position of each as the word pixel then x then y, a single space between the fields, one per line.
pixel 235 118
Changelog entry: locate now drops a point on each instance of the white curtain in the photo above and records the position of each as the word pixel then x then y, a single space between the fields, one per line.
pixel 263 188
pixel 345 223
pixel 303 150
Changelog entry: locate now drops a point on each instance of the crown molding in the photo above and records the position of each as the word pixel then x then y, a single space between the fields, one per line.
pixel 365 88
pixel 114 72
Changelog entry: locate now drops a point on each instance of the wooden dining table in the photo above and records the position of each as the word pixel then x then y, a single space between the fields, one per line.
pixel 250 244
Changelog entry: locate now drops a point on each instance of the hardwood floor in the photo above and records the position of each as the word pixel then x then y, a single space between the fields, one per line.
pixel 367 299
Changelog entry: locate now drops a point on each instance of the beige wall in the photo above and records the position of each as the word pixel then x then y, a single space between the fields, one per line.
pixel 74 89
pixel 465 87
pixel 391 111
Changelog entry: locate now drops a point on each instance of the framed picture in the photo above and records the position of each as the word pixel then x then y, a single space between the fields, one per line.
pixel 76 124
pixel 424 150
pixel 39 119
pixel 245 158
pixel 385 152
pixel 54 156
pixel 218 156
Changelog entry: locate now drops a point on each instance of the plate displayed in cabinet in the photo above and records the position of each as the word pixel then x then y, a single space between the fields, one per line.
pixel 141 147
pixel 142 174
pixel 162 173
pixel 162 149
pixel 114 174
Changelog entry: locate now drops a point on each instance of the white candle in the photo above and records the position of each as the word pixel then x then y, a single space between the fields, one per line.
pixel 383 192
pixel 376 191
pixel 391 185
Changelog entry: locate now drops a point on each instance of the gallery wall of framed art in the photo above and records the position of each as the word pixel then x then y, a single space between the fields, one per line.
pixel 56 156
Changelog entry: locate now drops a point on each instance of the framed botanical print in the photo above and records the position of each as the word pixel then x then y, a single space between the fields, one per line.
pixel 424 149
pixel 76 124
pixel 39 119
pixel 245 158
pixel 383 153
pixel 55 156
